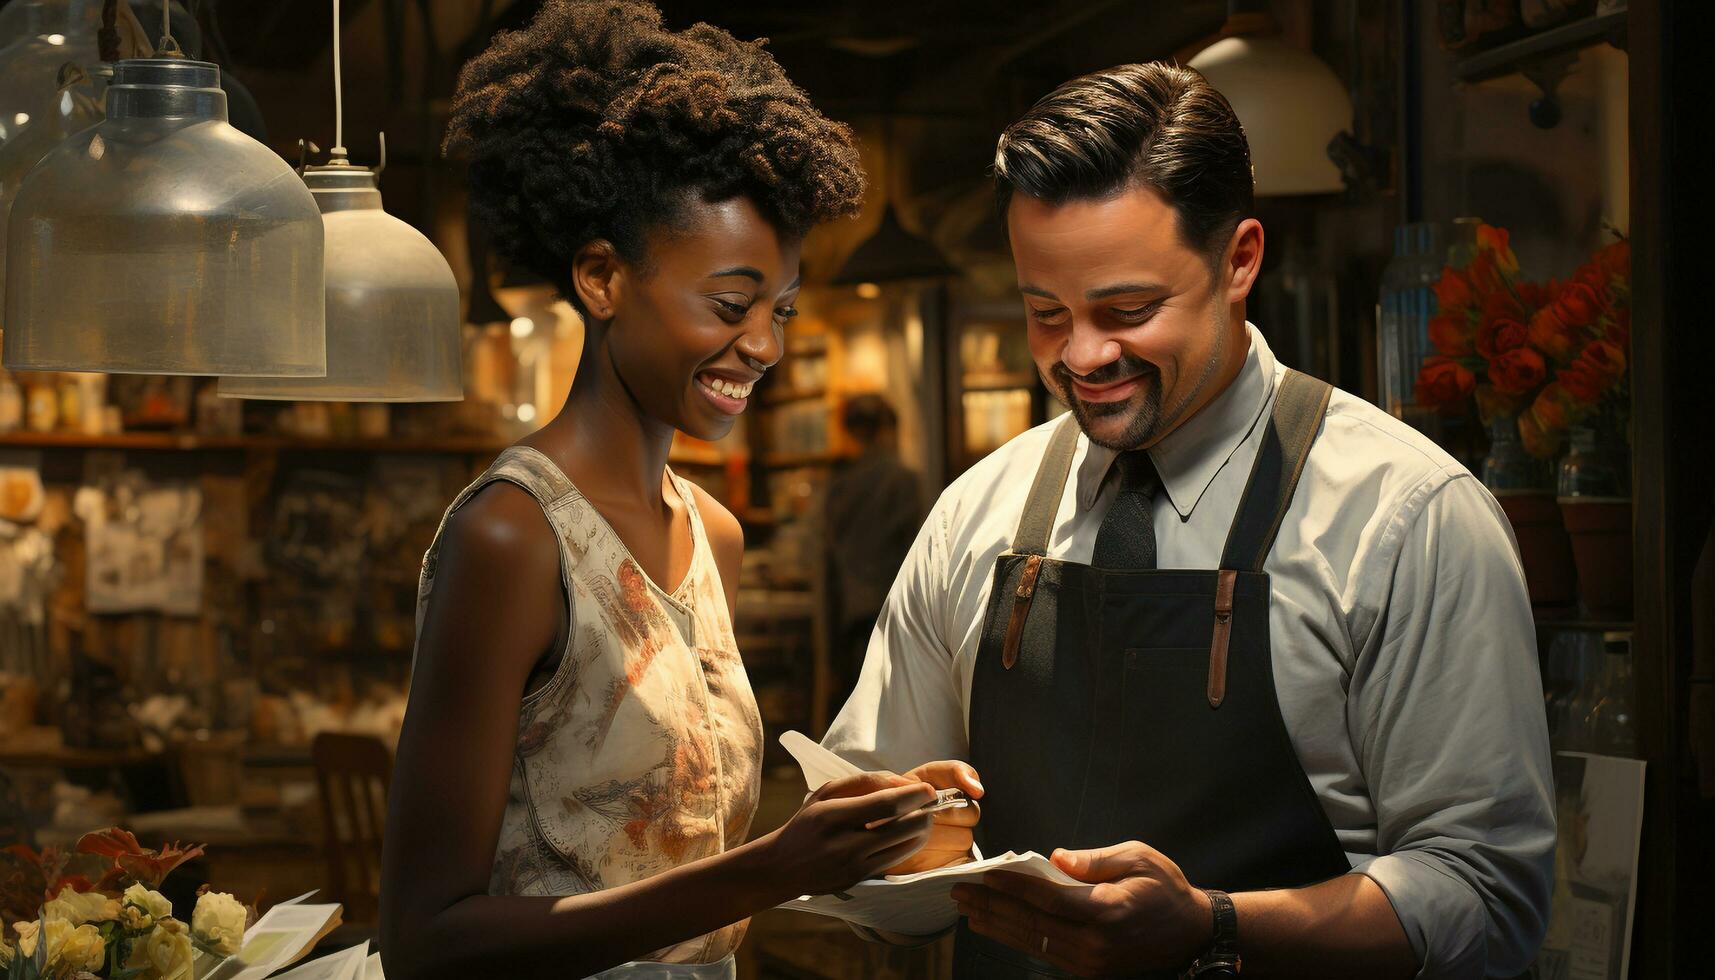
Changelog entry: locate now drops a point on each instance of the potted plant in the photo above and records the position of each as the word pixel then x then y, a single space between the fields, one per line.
pixel 1485 352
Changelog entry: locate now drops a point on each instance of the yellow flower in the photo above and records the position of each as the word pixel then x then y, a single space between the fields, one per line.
pixel 27 935
pixel 219 922
pixel 69 949
pixel 78 908
pixel 151 902
pixel 82 949
pixel 166 951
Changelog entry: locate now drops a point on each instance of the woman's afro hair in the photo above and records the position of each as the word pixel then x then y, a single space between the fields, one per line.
pixel 594 121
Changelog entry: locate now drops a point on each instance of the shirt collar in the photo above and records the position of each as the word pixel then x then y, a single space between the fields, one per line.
pixel 1193 454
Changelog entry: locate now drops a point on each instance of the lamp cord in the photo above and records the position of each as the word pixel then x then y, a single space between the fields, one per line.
pixel 168 46
pixel 338 151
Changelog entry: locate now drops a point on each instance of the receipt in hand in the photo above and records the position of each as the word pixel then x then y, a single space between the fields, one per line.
pixel 918 904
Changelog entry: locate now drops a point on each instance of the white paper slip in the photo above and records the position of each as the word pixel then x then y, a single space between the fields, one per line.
pixel 919 904
pixel 922 904
pixel 347 964
pixel 820 766
pixel 372 968
pixel 280 938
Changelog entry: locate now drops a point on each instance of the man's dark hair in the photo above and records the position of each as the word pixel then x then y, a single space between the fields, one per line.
pixel 595 122
pixel 866 416
pixel 1155 124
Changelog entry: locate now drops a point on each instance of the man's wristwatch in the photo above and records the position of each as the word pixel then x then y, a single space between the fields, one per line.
pixel 1221 959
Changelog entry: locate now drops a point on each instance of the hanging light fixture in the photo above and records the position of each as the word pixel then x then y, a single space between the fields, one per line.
pixel 71 111
pixel 891 254
pixel 393 327
pixel 164 241
pixel 49 36
pixel 1290 103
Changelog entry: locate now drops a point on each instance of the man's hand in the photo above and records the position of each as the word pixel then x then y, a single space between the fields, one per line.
pixel 950 839
pixel 1142 914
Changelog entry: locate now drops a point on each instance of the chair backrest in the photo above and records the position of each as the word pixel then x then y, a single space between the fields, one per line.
pixel 352 773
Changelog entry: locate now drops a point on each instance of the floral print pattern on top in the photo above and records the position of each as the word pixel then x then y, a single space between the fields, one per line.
pixel 642 751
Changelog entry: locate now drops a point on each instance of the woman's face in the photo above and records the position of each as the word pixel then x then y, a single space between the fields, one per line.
pixel 697 323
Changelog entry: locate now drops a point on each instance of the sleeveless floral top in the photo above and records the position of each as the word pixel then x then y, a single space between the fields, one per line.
pixel 642 749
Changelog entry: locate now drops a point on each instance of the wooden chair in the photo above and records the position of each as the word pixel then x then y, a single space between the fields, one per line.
pixel 352 773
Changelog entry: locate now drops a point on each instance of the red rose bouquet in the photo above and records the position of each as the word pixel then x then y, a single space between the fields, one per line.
pixel 1551 354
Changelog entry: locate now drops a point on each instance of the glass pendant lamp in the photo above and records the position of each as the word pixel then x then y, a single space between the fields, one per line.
pixel 393 324
pixel 71 110
pixel 48 36
pixel 164 241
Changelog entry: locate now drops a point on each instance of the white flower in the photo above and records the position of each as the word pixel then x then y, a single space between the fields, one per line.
pixel 218 922
pixel 78 908
pixel 152 902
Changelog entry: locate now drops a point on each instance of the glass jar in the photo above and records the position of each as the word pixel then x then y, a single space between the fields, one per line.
pixel 1406 304
pixel 1610 725
pixel 1598 465
pixel 1507 467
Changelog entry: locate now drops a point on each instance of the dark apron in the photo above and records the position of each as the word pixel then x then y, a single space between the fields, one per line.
pixel 1113 704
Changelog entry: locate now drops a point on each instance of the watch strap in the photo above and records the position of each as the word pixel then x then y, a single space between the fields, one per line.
pixel 1221 959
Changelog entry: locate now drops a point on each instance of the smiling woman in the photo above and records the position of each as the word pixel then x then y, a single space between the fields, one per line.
pixel 581 751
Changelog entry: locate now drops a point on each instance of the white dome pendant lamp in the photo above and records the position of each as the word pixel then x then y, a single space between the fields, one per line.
pixel 164 241
pixel 393 324
pixel 1290 103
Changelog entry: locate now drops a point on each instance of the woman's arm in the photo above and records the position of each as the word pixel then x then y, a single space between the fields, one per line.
pixel 496 606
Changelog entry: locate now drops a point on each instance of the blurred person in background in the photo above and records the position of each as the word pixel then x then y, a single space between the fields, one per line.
pixel 875 506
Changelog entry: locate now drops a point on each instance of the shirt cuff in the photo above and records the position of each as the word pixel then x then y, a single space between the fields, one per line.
pixel 1443 916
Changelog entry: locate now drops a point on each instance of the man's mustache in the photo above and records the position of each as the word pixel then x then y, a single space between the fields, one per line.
pixel 1129 366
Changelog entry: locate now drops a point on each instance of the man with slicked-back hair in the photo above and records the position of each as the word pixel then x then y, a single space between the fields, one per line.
pixel 1247 656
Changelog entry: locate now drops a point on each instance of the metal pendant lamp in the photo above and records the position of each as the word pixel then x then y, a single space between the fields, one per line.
pixel 892 254
pixel 1290 103
pixel 164 241
pixel 393 324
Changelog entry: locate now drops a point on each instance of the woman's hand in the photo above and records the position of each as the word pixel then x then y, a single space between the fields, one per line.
pixel 950 840
pixel 825 846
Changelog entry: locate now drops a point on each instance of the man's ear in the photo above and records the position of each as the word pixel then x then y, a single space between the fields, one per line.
pixel 1242 261
pixel 598 276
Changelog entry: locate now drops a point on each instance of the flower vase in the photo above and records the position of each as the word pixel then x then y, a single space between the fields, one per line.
pixel 1595 493
pixel 1521 484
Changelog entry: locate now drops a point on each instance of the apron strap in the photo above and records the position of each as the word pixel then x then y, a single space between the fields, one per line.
pixel 1299 406
pixel 1043 504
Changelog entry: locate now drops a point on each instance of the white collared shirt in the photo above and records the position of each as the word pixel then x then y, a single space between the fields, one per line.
pixel 1404 649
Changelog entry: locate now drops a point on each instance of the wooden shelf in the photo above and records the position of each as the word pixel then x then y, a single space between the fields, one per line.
pixel 191 442
pixel 1572 624
pixel 1505 59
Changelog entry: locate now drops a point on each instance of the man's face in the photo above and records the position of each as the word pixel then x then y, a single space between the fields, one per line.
pixel 1128 324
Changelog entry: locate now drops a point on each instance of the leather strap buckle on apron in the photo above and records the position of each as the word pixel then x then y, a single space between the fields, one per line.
pixel 1020 610
pixel 1034 528
pixel 1224 583
pixel 1299 408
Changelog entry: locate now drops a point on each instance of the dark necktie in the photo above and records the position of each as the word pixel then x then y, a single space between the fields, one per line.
pixel 1127 536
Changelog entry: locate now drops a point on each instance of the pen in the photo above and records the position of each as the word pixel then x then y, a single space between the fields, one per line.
pixel 945 799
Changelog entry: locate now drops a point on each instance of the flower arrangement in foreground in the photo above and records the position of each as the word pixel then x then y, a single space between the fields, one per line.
pixel 117 926
pixel 1554 355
